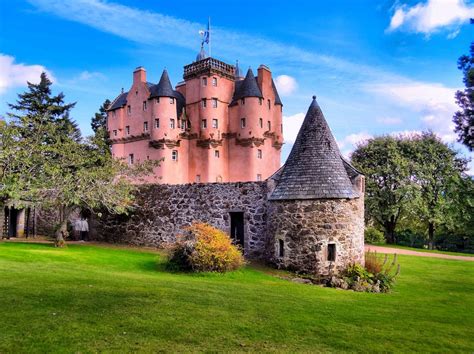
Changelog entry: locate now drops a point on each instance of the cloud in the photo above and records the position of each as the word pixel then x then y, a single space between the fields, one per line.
pixel 17 74
pixel 286 84
pixel 349 143
pixel 89 75
pixel 291 126
pixel 431 16
pixel 389 120
pixel 432 101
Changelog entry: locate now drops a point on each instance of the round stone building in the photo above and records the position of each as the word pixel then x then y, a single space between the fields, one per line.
pixel 316 204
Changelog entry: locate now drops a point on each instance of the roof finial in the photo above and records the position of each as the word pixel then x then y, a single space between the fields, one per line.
pixel 314 97
pixel 122 89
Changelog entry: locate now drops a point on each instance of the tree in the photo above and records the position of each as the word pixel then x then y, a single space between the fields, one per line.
pixel 437 175
pixel 464 119
pixel 388 184
pixel 37 106
pixel 99 125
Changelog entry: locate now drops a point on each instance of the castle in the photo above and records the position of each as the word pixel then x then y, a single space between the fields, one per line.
pixel 216 126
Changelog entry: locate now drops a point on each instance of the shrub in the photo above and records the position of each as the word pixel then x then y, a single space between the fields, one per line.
pixel 203 248
pixel 372 235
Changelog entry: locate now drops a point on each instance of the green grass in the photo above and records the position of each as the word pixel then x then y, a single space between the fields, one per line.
pixel 424 250
pixel 90 298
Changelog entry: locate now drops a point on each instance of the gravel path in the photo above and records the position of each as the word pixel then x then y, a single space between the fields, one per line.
pixel 381 249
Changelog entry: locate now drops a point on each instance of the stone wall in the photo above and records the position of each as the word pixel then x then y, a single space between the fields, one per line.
pixel 163 210
pixel 305 228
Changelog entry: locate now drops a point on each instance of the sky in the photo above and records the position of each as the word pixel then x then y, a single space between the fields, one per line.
pixel 376 66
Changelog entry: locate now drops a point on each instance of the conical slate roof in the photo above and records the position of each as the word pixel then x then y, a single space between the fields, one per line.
pixel 164 88
pixel 314 169
pixel 248 87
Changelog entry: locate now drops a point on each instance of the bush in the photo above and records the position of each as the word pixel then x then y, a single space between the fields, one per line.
pixel 203 248
pixel 372 235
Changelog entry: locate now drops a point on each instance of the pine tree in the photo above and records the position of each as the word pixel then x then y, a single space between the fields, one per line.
pixel 99 126
pixel 37 106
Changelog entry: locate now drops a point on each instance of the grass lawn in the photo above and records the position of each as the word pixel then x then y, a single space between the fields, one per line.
pixel 423 250
pixel 91 298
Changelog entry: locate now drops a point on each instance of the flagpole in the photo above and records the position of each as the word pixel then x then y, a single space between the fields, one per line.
pixel 209 23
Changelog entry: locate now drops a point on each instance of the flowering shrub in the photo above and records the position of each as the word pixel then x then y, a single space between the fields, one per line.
pixel 203 248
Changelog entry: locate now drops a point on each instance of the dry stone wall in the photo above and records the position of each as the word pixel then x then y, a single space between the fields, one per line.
pixel 163 210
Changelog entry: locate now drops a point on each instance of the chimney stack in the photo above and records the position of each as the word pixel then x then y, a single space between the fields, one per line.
pixel 139 75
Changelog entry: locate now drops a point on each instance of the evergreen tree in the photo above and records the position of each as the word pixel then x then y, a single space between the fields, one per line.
pixel 99 126
pixel 37 106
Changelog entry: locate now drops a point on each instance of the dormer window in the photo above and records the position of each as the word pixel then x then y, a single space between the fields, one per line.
pixel 144 105
pixel 203 103
pixel 214 103
pixel 204 81
pixel 214 81
pixel 242 123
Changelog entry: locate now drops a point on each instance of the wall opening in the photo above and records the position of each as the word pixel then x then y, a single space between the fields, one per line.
pixel 332 252
pixel 281 248
pixel 237 228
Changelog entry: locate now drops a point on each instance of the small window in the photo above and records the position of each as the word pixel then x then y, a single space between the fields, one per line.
pixel 215 123
pixel 204 81
pixel 171 100
pixel 130 159
pixel 203 123
pixel 216 153
pixel 198 178
pixel 147 157
pixel 129 110
pixel 242 101
pixel 260 122
pixel 269 125
pixel 214 103
pixel 332 252
pixel 144 105
pixel 174 155
pixel 218 179
pixel 183 125
pixel 259 154
pixel 145 126
pixel 269 104
pixel 157 123
pixel 127 130
pixel 281 248
pixel 242 123
pixel 260 101
pixel 172 123
pixel 203 103
pixel 157 100
pixel 115 133
pixel 259 178
pixel 136 93
pixel 214 81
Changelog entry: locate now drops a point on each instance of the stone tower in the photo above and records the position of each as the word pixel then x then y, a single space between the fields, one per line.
pixel 316 208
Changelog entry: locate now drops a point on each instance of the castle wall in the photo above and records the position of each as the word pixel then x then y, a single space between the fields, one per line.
pixel 163 210
pixel 305 228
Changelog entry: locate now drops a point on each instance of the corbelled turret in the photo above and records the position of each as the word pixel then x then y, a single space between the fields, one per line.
pixel 246 88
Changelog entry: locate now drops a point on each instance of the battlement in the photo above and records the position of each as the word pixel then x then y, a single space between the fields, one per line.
pixel 209 66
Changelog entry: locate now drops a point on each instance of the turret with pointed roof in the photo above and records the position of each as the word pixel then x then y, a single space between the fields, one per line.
pixel 246 88
pixel 314 169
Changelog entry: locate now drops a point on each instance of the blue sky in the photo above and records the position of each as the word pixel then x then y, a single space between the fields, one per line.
pixel 377 67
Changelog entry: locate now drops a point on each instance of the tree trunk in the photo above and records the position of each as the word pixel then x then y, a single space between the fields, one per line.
pixel 62 233
pixel 389 227
pixel 431 230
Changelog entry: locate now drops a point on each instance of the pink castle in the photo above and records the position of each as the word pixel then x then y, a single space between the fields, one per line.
pixel 215 126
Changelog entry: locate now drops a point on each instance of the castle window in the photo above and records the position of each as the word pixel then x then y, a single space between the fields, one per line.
pixel 242 101
pixel 269 104
pixel 157 123
pixel 259 178
pixel 157 100
pixel 214 81
pixel 198 178
pixel 174 155
pixel 136 93
pixel 129 110
pixel 269 125
pixel 172 123
pixel 215 123
pixel 127 130
pixel 214 103
pixel 183 125
pixel 204 81
pixel 332 252
pixel 259 154
pixel 260 122
pixel 204 103
pixel 281 248
pixel 216 153
pixel 130 159
pixel 144 105
pixel 145 126
pixel 242 123
pixel 260 101
pixel 203 123
pixel 115 133
pixel 171 100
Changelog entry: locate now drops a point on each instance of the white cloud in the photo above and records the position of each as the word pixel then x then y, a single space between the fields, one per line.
pixel 17 74
pixel 389 120
pixel 433 102
pixel 350 141
pixel 286 84
pixel 431 16
pixel 89 75
pixel 291 126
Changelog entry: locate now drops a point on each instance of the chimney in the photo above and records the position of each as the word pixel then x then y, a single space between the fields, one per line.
pixel 139 75
pixel 264 79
